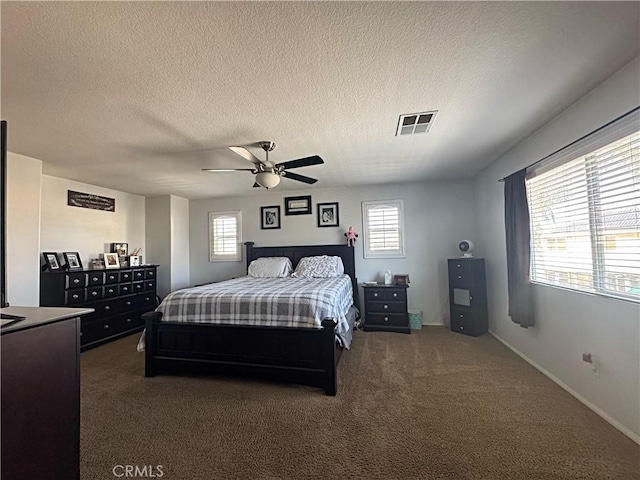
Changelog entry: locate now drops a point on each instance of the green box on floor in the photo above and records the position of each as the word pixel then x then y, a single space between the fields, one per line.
pixel 415 319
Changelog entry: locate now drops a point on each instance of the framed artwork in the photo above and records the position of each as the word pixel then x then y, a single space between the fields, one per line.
pixel 134 261
pixel 270 217
pixel 51 260
pixel 72 259
pixel 297 205
pixel 111 260
pixel 122 249
pixel 328 215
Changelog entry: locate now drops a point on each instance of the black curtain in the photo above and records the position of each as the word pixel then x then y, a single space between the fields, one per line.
pixel 516 218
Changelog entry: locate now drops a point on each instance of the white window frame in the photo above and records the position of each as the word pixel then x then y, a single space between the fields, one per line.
pixel 598 280
pixel 220 257
pixel 367 250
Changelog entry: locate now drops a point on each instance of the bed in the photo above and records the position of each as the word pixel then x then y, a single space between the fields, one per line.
pixel 288 351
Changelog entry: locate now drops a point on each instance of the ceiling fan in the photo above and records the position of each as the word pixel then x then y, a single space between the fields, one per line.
pixel 268 174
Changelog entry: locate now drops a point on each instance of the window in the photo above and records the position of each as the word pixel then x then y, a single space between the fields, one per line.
pixel 225 236
pixel 383 229
pixel 585 215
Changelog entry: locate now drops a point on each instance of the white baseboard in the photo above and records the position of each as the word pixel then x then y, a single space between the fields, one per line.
pixel 633 436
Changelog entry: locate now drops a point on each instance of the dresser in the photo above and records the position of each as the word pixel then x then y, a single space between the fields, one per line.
pixel 40 372
pixel 468 296
pixel 118 296
pixel 385 308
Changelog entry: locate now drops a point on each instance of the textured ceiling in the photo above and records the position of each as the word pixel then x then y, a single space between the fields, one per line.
pixel 139 96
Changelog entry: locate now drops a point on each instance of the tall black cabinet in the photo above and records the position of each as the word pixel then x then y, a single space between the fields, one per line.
pixel 468 296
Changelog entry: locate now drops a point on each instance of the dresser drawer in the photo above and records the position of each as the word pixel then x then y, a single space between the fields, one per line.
pixel 110 291
pixel 126 276
pixel 462 315
pixel 96 278
pixel 390 320
pixel 386 307
pixel 138 274
pixel 75 280
pixel 126 304
pixel 379 294
pixel 138 287
pixel 462 326
pixel 149 273
pixel 111 277
pixel 92 331
pixel 150 285
pixel 106 308
pixel 125 289
pixel 146 301
pixel 95 293
pixel 77 295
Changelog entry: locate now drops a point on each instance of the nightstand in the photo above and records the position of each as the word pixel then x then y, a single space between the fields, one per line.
pixel 385 308
pixel 468 296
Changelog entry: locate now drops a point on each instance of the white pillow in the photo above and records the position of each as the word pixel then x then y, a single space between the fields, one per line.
pixel 322 266
pixel 270 267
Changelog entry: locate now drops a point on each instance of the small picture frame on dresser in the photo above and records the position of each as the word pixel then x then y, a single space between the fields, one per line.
pixel 72 260
pixel 111 260
pixel 134 260
pixel 51 261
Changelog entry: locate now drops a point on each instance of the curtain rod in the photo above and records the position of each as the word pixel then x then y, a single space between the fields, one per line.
pixel 581 138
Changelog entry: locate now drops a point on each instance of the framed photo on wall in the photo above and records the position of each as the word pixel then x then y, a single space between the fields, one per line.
pixel 51 261
pixel 111 260
pixel 297 205
pixel 270 217
pixel 328 215
pixel 72 259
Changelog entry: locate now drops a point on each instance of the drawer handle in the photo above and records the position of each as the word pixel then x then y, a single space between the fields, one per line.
pixel 459 276
pixel 395 294
pixel 75 295
pixel 461 328
pixel 107 307
pixel 386 319
pixel 386 306
pixel 128 304
pixel 128 320
pixel 147 299
pixel 94 293
pixel 106 327
pixel 375 294
pixel 461 316
pixel 95 279
pixel 80 333
pixel 76 280
pixel 110 290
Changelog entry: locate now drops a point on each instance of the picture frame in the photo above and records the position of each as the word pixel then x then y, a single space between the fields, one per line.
pixel 270 217
pixel 134 260
pixel 297 205
pixel 111 260
pixel 121 248
pixel 72 261
pixel 51 261
pixel 328 215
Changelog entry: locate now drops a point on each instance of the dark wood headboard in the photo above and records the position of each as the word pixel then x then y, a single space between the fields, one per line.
pixel 296 253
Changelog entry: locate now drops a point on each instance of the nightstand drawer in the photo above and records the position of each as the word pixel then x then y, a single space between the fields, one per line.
pixel 386 307
pixel 462 326
pixel 379 294
pixel 461 315
pixel 391 320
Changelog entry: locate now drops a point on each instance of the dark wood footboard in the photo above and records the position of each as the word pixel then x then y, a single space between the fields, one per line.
pixel 305 356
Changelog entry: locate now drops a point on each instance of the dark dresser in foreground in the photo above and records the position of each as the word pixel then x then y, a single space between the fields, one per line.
pixel 118 296
pixel 468 296
pixel 40 371
pixel 385 308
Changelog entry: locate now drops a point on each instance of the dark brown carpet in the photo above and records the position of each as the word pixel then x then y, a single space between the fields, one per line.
pixel 430 405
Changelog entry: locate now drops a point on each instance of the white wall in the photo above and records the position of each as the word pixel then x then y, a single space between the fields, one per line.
pixel 158 228
pixel 23 230
pixel 89 232
pixel 437 217
pixel 167 219
pixel 568 323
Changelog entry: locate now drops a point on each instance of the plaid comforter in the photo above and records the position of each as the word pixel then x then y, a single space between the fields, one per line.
pixel 281 302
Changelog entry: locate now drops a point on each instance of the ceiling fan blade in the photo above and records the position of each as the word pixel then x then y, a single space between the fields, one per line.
pixel 301 162
pixel 228 170
pixel 246 154
pixel 300 178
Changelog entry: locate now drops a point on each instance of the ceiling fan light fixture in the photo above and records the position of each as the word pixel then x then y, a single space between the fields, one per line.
pixel 268 179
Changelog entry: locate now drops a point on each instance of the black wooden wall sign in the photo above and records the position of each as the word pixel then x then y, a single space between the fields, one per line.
pixel 88 200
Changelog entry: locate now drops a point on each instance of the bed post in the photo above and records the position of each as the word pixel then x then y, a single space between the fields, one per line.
pixel 329 356
pixel 249 252
pixel 151 320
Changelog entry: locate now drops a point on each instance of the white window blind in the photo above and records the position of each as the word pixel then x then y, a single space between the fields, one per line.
pixel 383 229
pixel 225 236
pixel 585 214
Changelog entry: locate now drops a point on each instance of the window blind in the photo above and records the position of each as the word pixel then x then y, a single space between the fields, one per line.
pixel 585 213
pixel 224 236
pixel 383 229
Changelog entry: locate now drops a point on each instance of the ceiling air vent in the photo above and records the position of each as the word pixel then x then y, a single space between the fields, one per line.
pixel 411 123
